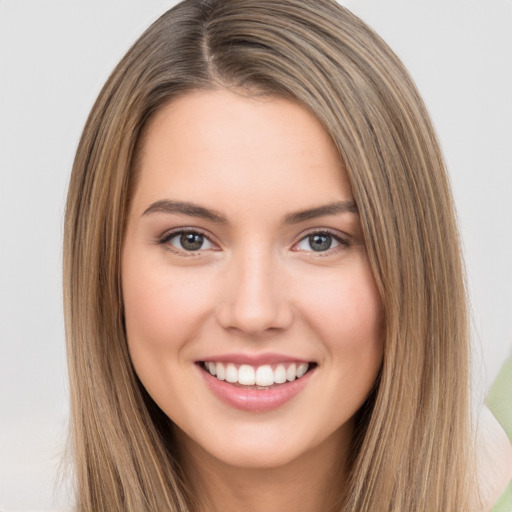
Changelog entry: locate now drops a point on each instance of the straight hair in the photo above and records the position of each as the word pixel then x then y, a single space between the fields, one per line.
pixel 412 446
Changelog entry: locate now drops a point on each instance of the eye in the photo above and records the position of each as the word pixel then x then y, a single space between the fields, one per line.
pixel 188 241
pixel 320 241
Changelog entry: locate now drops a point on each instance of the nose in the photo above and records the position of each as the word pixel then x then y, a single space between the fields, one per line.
pixel 254 299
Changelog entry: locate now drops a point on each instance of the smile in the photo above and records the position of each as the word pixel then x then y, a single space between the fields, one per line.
pixel 261 377
pixel 256 387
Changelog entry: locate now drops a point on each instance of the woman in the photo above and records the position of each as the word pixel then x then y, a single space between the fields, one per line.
pixel 264 292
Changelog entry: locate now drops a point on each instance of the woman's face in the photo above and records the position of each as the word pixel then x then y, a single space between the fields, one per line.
pixel 243 267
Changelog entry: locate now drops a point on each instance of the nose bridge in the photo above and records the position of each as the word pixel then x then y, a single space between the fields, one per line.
pixel 254 298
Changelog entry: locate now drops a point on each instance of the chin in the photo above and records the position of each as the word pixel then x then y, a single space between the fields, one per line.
pixel 258 447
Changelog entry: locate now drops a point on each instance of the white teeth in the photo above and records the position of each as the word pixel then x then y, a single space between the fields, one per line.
pixel 302 369
pixel 220 371
pixel 246 375
pixel 211 368
pixel 231 373
pixel 291 373
pixel 264 376
pixel 280 374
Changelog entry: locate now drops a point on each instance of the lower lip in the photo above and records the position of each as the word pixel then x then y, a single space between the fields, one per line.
pixel 255 400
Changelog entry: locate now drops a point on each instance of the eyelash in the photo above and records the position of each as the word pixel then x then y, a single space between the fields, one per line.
pixel 343 242
pixel 167 237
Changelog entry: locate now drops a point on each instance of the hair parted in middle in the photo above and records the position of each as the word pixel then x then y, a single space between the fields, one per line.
pixel 411 445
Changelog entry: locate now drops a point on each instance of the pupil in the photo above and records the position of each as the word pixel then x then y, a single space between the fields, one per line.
pixel 320 242
pixel 191 241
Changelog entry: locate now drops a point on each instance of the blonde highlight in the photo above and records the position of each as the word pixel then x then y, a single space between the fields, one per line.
pixel 412 445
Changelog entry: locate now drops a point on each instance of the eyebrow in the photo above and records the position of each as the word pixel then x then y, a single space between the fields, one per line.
pixel 328 209
pixel 193 210
pixel 190 209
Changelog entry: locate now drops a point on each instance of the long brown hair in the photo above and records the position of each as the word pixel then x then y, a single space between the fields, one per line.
pixel 411 449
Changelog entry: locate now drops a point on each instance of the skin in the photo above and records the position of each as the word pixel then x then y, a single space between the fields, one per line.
pixel 255 286
pixel 494 452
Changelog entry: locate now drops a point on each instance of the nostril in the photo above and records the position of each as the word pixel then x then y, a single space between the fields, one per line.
pixel 252 300
pixel 254 319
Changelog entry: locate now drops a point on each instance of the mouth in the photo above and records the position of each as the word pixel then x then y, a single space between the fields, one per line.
pixel 256 383
pixel 262 377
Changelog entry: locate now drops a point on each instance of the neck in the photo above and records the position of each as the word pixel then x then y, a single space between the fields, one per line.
pixel 314 481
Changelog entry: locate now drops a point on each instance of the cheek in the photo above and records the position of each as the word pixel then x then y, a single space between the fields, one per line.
pixel 163 312
pixel 354 337
pixel 346 305
pixel 161 306
pixel 346 312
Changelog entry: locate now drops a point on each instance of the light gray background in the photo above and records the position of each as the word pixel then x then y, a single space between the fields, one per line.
pixel 55 56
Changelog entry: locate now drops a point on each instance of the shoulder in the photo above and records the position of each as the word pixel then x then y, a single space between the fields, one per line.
pixel 494 454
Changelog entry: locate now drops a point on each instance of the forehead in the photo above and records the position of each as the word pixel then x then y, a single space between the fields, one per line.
pixel 210 145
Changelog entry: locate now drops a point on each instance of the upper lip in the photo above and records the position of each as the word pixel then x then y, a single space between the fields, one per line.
pixel 254 359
